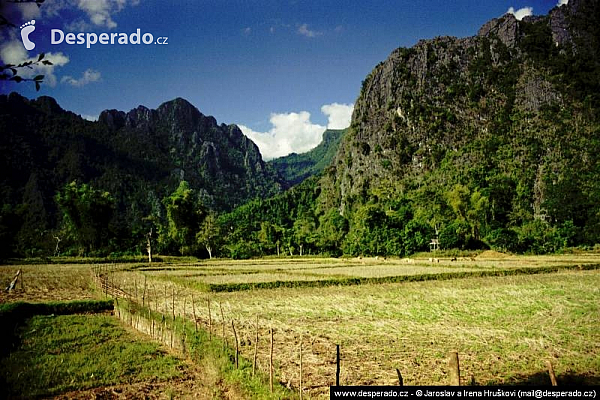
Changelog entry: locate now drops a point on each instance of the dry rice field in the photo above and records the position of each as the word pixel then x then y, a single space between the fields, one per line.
pixel 505 328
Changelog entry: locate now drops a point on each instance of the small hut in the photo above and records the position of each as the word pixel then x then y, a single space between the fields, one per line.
pixel 434 245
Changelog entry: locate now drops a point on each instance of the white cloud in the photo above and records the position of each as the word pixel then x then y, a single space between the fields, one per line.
pixel 88 76
pixel 99 11
pixel 291 133
pixel 18 13
pixel 78 25
pixel 521 12
pixel 29 10
pixel 13 52
pixel 89 117
pixel 304 31
pixel 295 133
pixel 52 9
pixel 339 115
pixel 58 60
pixel 562 2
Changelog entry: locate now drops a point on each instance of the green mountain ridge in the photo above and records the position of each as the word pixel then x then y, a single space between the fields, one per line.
pixel 139 157
pixel 295 168
pixel 485 141
pixel 490 141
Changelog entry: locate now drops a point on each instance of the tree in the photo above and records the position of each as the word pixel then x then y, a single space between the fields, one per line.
pixel 209 233
pixel 269 237
pixel 86 213
pixel 456 235
pixel 304 229
pixel 458 199
pixel 185 215
pixel 471 210
pixel 373 232
pixel 415 237
pixel 33 234
pixel 477 213
pixel 10 223
pixel 333 227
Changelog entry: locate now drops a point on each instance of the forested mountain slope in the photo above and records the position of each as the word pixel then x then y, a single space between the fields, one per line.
pixel 297 167
pixel 494 136
pixel 138 157
pixel 486 141
pixel 491 140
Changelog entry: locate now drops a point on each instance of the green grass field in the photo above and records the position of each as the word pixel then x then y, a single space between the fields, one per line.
pixel 77 352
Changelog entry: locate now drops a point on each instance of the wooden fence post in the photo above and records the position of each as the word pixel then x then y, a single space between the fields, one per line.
pixel 209 321
pixel 551 372
pixel 173 304
pixel 166 301
pixel 271 363
pixel 144 294
pixel 14 282
pixel 400 379
pixel 194 311
pixel 337 363
pixel 300 388
pixel 237 347
pixel 454 372
pixel 151 319
pixel 113 282
pixel 255 349
pixel 223 323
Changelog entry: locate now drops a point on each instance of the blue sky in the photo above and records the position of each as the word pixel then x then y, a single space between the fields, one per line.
pixel 283 70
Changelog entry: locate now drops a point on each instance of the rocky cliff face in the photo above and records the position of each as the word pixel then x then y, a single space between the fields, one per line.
pixel 446 108
pixel 216 159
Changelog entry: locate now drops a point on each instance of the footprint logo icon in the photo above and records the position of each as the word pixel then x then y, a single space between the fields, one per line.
pixel 26 29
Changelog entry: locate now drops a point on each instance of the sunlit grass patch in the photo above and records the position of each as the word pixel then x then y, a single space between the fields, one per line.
pixel 73 352
pixel 47 282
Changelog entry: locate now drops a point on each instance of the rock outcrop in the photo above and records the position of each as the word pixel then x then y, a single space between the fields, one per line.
pixel 449 104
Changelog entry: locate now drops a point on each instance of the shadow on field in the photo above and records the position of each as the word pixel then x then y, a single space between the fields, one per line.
pixel 565 379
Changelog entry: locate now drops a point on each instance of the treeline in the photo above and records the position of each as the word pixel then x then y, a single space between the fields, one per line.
pixel 301 222
pixel 297 222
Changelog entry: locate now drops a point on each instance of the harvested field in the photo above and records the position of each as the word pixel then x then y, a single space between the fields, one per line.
pixel 504 327
pixel 51 282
